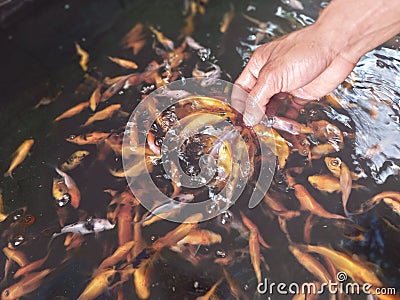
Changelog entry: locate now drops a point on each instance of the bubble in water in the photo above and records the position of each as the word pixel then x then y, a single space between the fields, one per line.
pixel 220 253
pixel 226 217
pixel 250 8
pixel 196 285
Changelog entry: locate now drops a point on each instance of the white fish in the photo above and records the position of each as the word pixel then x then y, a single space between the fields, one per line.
pixel 86 227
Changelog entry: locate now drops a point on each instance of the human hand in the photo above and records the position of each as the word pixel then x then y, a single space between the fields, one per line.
pixel 302 63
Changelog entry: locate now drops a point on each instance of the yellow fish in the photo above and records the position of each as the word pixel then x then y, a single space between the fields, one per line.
pixel 103 114
pixel 84 57
pixel 95 98
pixel 227 19
pixel 127 64
pixel 72 111
pixel 25 286
pixel 74 160
pixel 19 156
pixel 309 203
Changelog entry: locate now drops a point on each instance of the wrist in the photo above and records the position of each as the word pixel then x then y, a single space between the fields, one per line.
pixel 353 27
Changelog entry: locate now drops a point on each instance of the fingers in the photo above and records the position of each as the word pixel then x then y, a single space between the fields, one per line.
pixel 327 81
pixel 243 85
pixel 266 86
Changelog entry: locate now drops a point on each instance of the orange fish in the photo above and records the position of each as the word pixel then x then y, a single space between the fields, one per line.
pixel 135 38
pixel 227 19
pixel 166 42
pixel 309 203
pixel 88 138
pixel 19 156
pixel 95 98
pixel 73 190
pixel 84 57
pixel 103 114
pixel 355 269
pixel 311 264
pixel 127 64
pixel 255 240
pixel 72 111
pixel 25 286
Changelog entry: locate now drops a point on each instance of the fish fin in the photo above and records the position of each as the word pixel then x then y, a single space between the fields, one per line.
pixel 9 174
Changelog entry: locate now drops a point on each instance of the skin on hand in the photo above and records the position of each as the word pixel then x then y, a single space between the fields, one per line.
pixel 300 63
pixel 313 61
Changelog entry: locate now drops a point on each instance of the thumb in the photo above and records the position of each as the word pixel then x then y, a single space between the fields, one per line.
pixel 267 85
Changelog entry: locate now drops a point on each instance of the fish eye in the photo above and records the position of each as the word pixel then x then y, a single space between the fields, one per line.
pixel 6 293
pixel 28 218
pixel 72 137
pixel 335 162
pixel 158 142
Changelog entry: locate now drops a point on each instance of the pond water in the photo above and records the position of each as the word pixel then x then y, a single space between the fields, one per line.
pixel 39 60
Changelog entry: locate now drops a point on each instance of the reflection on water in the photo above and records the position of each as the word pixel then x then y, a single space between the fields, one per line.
pixel 362 116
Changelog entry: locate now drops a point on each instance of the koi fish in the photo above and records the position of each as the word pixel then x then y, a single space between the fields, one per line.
pixel 309 203
pixel 135 38
pixel 167 209
pixel 119 254
pixel 357 270
pixel 19 156
pixel 227 19
pixel 117 86
pixel 340 170
pixel 289 126
pixel 327 132
pixel 103 114
pixel 84 57
pixel 86 227
pixel 17 256
pixel 25 286
pixel 390 198
pixel 74 160
pixel 142 279
pixel 201 237
pixel 103 281
pixel 166 42
pixel 72 111
pixel 23 271
pixel 274 141
pixel 127 64
pixel 255 240
pixel 95 98
pixel 88 138
pixel 73 190
pixel 321 150
pixel 311 264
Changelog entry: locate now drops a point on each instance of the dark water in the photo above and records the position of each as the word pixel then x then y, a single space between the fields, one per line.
pixel 38 59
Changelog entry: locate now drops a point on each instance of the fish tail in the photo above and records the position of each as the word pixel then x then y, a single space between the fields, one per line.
pixel 9 174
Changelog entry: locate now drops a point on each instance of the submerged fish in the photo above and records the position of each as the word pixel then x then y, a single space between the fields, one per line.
pixel 227 19
pixel 72 111
pixel 74 160
pixel 88 138
pixel 19 156
pixel 103 114
pixel 127 64
pixel 86 227
pixel 84 57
